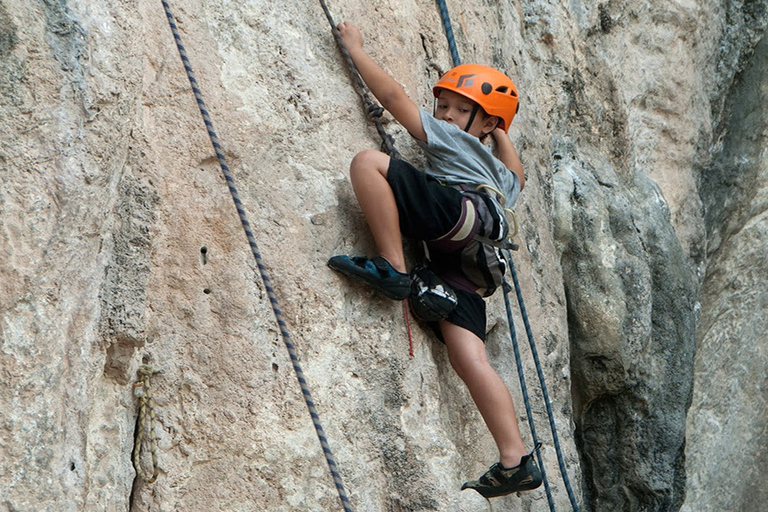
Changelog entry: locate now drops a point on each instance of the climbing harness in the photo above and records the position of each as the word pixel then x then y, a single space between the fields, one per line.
pixel 508 211
pixel 507 288
pixel 145 430
pixel 262 269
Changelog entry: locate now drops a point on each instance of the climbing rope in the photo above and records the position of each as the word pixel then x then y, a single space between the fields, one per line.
pixel 524 390
pixel 449 32
pixel 373 110
pixel 560 459
pixel 540 373
pixel 262 269
pixel 145 430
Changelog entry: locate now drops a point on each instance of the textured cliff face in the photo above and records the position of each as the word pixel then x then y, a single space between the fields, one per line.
pixel 642 129
pixel 729 394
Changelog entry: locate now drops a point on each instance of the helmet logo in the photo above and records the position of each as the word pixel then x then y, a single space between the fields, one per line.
pixel 465 81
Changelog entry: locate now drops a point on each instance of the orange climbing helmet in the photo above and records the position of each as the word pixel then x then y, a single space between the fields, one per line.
pixel 491 89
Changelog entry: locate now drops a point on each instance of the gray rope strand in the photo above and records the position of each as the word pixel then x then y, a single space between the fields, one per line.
pixel 449 32
pixel 145 430
pixel 262 269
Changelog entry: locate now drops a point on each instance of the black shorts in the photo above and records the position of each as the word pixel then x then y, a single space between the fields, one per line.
pixel 428 210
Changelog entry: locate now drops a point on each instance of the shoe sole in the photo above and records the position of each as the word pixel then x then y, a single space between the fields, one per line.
pixel 505 492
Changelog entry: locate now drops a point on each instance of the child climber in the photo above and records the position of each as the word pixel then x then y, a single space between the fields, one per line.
pixel 456 208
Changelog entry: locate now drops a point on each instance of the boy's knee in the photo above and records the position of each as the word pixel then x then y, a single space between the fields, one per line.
pixel 369 160
pixel 469 365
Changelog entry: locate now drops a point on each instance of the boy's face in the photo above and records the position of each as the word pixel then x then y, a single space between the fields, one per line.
pixel 457 109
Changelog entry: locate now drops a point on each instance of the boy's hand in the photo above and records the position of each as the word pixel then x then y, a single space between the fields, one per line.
pixel 351 35
pixel 498 133
pixel 388 91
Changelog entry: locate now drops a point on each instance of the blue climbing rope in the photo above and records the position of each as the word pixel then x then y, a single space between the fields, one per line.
pixel 449 32
pixel 524 390
pixel 561 462
pixel 545 394
pixel 262 269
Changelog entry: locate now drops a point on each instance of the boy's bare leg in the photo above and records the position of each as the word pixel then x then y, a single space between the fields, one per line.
pixel 468 357
pixel 368 173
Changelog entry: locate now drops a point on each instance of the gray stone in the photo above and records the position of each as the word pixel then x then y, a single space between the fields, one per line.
pixel 729 402
pixel 642 235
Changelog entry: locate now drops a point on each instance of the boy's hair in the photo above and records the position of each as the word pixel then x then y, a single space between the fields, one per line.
pixel 491 89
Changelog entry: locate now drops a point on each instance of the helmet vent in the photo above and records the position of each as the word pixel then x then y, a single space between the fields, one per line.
pixel 504 90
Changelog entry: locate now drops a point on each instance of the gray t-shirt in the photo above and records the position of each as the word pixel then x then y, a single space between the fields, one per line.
pixel 457 158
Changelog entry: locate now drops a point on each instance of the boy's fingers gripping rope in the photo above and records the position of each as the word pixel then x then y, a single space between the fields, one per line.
pixel 373 110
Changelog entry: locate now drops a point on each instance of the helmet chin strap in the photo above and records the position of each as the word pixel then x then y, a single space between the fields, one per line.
pixel 472 117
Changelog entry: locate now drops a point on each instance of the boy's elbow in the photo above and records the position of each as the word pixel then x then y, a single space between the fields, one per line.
pixel 391 98
pixel 518 170
pixel 521 177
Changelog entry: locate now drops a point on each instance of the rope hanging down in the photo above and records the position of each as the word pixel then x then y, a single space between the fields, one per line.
pixel 145 431
pixel 524 391
pixel 373 110
pixel 374 114
pixel 262 269
pixel 449 32
pixel 540 373
pixel 560 459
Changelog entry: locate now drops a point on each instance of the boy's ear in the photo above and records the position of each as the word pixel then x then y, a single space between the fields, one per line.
pixel 490 124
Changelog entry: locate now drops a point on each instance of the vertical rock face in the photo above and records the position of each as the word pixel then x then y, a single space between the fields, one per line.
pixel 627 225
pixel 631 296
pixel 729 396
pixel 642 262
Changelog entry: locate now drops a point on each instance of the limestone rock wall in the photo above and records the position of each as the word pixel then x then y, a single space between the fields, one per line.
pixel 642 130
pixel 729 401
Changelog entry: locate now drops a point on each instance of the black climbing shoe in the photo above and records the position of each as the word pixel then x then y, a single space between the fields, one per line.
pixel 499 481
pixel 377 273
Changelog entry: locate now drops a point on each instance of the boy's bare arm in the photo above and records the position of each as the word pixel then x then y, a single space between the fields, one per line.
pixel 508 154
pixel 382 85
